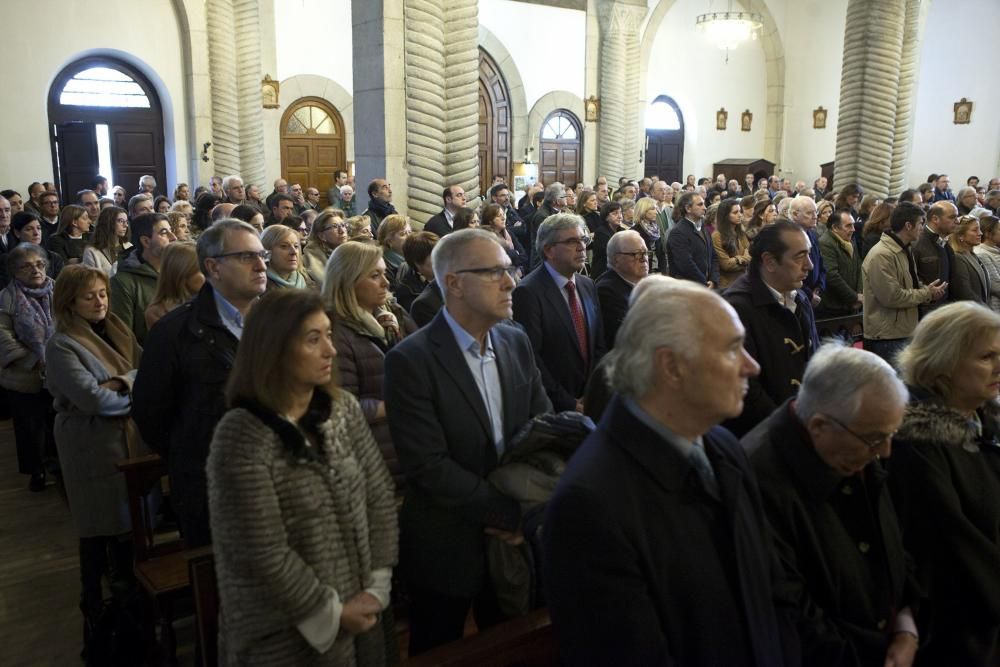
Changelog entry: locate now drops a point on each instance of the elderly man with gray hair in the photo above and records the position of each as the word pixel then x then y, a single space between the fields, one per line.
pixel 457 391
pixel 140 204
pixel 233 191
pixel 628 263
pixel 560 312
pixel 818 461
pixel 656 546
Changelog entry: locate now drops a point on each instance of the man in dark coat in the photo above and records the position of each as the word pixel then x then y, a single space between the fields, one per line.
pixel 802 212
pixel 442 223
pixel 833 520
pixel 689 246
pixel 457 391
pixel 779 320
pixel 379 204
pixel 554 201
pixel 559 310
pixel 628 263
pixel 932 253
pixel 178 395
pixel 656 546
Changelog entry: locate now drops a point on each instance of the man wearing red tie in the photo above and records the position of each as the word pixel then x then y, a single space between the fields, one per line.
pixel 559 310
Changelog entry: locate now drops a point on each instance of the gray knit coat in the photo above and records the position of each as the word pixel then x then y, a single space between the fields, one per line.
pixel 284 530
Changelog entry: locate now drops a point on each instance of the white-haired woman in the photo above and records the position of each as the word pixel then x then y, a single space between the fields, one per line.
pixel 284 270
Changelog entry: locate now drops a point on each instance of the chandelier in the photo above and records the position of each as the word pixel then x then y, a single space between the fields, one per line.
pixel 729 29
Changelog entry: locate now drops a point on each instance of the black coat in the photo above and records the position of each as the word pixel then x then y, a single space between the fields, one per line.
pixel 690 255
pixel 599 249
pixel 946 485
pixel 438 224
pixel 534 222
pixel 643 567
pixel 839 543
pixel 427 304
pixel 178 398
pixel 444 441
pixel 780 341
pixel 934 262
pixel 613 292
pixel 543 312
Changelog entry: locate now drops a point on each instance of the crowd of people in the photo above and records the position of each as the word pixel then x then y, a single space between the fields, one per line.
pixel 749 494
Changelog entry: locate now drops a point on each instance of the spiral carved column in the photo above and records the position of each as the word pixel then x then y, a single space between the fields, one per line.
pixel 618 139
pixel 869 94
pixel 251 110
pixel 908 69
pixel 442 90
pixel 222 68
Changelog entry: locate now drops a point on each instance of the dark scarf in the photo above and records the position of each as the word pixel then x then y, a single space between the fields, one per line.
pixel 33 316
pixel 909 257
pixel 293 437
pixel 380 208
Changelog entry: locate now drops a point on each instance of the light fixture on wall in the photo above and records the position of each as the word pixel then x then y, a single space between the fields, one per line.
pixel 728 29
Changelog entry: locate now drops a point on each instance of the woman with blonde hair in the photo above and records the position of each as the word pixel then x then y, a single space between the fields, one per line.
pixel 392 233
pixel 91 363
pixel 108 241
pixel 969 280
pixel 587 208
pixel 179 225
pixel 944 474
pixel 367 324
pixel 284 269
pixel 179 280
pixel 303 514
pixel 649 229
pixel 328 232
pixel 359 228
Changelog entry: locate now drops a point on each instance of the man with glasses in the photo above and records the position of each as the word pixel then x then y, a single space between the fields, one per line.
pixel 817 459
pixel 628 263
pixel 443 222
pixel 891 287
pixel 778 317
pixel 134 284
pixel 48 208
pixel 559 310
pixel 178 395
pixel 457 390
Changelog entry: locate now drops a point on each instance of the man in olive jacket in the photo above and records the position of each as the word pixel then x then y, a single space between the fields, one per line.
pixel 134 284
pixel 843 268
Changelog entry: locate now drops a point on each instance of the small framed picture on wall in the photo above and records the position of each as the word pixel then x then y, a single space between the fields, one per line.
pixel 746 118
pixel 721 116
pixel 963 112
pixel 819 118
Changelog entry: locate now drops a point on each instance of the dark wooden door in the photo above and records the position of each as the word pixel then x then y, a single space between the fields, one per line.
pixel 665 140
pixel 137 150
pixel 313 145
pixel 76 145
pixel 495 157
pixel 560 145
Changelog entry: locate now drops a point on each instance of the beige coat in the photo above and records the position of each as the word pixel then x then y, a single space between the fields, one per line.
pixel 890 297
pixel 314 257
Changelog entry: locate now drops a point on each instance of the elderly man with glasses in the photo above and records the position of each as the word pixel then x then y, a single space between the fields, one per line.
pixel 818 463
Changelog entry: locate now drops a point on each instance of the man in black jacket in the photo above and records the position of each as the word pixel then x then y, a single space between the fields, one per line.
pixel 178 396
pixel 932 252
pixel 628 263
pixel 457 391
pixel 778 316
pixel 689 246
pixel 833 520
pixel 443 223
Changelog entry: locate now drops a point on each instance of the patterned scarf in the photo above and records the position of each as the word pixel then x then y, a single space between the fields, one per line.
pixel 297 281
pixel 651 230
pixel 33 322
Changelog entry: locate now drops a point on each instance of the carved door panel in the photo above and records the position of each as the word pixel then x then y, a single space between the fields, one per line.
pixel 495 157
pixel 560 147
pixel 313 144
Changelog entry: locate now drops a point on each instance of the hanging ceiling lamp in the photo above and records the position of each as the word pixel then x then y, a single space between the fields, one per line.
pixel 729 29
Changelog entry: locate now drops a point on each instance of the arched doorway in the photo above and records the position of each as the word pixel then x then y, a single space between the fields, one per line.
pixel 105 118
pixel 665 140
pixel 313 144
pixel 494 123
pixel 560 145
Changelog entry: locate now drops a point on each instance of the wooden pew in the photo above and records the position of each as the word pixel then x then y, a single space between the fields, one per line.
pixel 522 642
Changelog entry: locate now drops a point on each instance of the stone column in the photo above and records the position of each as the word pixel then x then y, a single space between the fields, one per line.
pixel 248 78
pixel 442 90
pixel 869 94
pixel 379 98
pixel 618 132
pixel 909 66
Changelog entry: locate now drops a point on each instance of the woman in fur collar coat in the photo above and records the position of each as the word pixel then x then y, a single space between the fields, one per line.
pixel 945 476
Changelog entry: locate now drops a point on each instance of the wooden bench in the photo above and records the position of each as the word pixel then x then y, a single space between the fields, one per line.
pixel 528 641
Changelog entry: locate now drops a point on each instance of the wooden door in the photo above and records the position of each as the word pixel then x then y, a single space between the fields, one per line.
pixel 313 145
pixel 560 145
pixel 495 157
pixel 135 151
pixel 665 140
pixel 76 145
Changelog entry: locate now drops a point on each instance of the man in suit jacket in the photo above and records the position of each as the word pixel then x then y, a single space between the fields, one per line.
pixel 802 211
pixel 457 390
pixel 932 252
pixel 833 520
pixel 555 200
pixel 628 263
pixel 689 247
pixel 778 317
pixel 443 223
pixel 656 546
pixel 559 310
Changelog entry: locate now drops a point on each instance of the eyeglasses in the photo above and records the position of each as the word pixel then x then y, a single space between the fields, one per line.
pixel 246 257
pixel 338 227
pixel 877 442
pixel 574 242
pixel 638 254
pixel 39 266
pixel 492 273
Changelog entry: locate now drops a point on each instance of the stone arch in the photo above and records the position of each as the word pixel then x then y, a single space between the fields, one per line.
pixel 546 104
pixel 293 88
pixel 519 105
pixel 774 56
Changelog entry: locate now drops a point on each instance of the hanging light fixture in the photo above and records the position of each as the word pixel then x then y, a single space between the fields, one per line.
pixel 729 29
